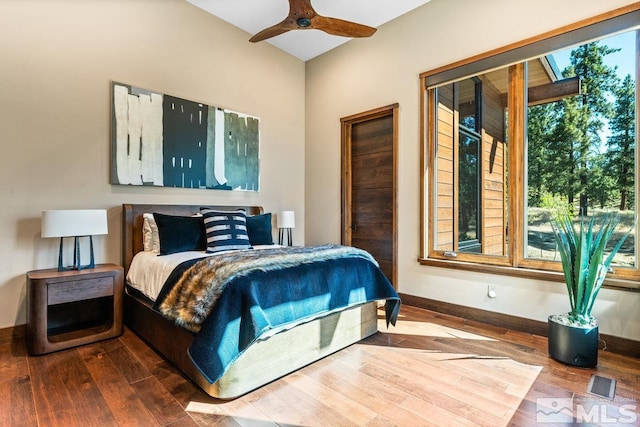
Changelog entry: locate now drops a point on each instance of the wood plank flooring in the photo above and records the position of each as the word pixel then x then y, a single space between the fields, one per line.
pixel 430 370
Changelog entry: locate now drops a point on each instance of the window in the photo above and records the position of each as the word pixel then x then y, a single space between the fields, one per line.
pixel 469 164
pixel 507 141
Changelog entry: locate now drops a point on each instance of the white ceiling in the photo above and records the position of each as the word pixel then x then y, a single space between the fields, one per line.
pixel 253 16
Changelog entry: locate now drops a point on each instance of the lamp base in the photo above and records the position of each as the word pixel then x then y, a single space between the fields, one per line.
pixel 77 265
pixel 285 232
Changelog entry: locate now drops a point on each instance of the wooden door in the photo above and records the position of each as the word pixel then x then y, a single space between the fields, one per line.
pixel 369 142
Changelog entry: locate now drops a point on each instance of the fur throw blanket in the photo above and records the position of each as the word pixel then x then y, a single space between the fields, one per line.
pixel 191 299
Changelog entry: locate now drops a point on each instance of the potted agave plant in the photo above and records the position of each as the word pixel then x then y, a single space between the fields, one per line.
pixel 573 336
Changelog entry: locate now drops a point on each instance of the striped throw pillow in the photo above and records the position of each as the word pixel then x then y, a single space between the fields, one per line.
pixel 226 230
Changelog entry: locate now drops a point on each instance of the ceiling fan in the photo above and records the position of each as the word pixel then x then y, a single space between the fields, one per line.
pixel 303 17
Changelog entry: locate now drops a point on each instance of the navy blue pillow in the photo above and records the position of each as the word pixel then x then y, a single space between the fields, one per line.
pixel 180 233
pixel 259 229
pixel 225 230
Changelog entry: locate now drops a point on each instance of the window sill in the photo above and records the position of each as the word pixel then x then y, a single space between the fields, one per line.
pixel 527 273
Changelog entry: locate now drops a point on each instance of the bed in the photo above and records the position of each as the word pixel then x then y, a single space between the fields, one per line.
pixel 274 352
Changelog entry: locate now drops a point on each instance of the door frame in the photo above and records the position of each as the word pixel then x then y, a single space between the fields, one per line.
pixel 346 124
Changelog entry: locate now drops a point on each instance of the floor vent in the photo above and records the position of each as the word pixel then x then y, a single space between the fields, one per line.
pixel 601 386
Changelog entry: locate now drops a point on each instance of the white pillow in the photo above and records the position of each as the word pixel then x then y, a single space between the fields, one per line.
pixel 150 236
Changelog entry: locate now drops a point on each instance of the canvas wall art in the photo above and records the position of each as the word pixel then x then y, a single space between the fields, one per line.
pixel 161 140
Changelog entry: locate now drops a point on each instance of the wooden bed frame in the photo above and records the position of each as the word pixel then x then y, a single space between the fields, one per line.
pixel 263 361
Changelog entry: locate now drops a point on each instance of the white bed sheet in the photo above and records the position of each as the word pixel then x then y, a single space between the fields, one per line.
pixel 149 271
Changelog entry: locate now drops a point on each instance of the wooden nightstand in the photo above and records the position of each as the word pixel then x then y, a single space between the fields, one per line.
pixel 70 308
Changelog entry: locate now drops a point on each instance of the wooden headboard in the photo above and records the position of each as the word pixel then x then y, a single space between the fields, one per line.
pixel 132 223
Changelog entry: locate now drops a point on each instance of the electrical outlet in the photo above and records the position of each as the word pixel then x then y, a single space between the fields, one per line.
pixel 491 291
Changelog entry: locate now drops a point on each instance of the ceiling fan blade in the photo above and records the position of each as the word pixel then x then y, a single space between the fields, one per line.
pixel 340 27
pixel 300 8
pixel 274 30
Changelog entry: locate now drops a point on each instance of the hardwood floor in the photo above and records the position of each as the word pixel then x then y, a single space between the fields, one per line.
pixel 431 369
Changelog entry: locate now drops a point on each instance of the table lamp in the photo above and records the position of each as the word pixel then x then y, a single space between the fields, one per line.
pixel 285 222
pixel 74 223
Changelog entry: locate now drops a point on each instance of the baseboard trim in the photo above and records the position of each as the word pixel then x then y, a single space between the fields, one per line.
pixel 624 346
pixel 13 334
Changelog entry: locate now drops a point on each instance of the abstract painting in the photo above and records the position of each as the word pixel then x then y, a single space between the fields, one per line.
pixel 161 140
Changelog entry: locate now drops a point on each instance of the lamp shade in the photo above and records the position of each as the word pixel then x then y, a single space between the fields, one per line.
pixel 70 223
pixel 286 219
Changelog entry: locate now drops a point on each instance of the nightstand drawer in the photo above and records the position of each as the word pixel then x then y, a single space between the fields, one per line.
pixel 79 290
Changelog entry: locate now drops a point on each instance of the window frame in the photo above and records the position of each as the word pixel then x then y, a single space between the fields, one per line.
pixel 513 56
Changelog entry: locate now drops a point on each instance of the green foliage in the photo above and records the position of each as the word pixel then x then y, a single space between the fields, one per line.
pixel 540 151
pixel 564 137
pixel 558 206
pixel 582 251
pixel 603 187
pixel 621 143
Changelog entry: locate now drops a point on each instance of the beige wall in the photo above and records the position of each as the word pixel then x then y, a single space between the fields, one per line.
pixel 370 73
pixel 58 58
pixel 57 61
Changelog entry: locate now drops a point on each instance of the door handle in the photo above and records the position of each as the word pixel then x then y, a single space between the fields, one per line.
pixel 354 226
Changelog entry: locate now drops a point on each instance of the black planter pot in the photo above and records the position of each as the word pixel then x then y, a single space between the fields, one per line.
pixel 573 345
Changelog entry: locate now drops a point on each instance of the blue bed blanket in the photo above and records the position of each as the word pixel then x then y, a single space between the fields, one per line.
pixel 230 300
